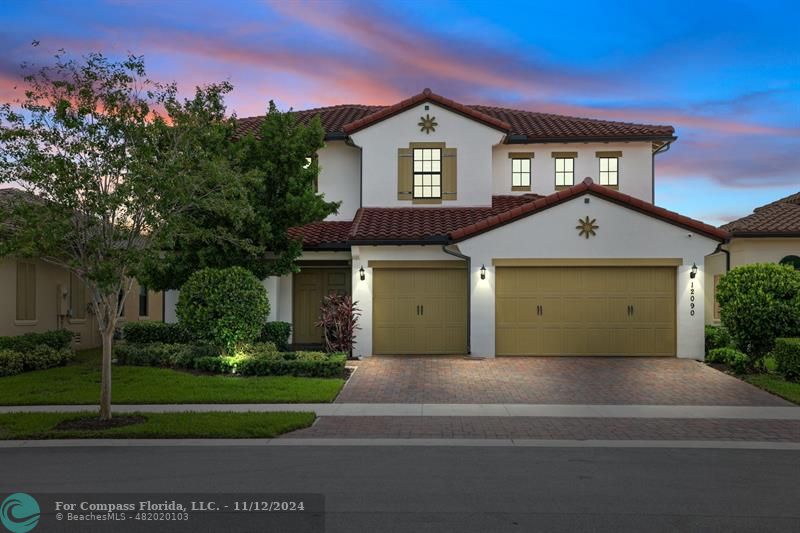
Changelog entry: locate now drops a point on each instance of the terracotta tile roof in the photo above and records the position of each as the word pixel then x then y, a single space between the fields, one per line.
pixel 546 126
pixel 425 223
pixel 781 217
pixel 425 96
pixel 332 234
pixel 587 186
pixel 531 126
pixel 333 118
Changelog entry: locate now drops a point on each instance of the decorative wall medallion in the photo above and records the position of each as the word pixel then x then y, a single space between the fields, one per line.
pixel 587 227
pixel 427 123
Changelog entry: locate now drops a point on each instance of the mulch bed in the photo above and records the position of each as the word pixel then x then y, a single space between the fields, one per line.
pixel 92 423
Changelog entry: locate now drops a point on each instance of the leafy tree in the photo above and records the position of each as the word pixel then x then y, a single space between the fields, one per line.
pixel 279 179
pixel 111 161
pixel 759 303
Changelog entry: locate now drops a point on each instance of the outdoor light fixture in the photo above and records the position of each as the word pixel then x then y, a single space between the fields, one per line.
pixel 363 275
pixel 693 273
pixel 483 271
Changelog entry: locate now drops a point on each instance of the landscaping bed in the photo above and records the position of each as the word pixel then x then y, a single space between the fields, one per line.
pixel 217 425
pixel 78 383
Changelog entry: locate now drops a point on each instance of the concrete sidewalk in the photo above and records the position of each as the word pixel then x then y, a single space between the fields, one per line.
pixel 458 410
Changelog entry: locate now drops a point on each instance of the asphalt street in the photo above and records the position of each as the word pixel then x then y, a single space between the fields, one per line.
pixel 464 489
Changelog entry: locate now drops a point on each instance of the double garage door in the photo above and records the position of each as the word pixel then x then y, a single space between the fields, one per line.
pixel 585 311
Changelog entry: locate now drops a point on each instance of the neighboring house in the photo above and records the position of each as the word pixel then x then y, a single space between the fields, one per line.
pixel 37 296
pixel 771 234
pixel 491 231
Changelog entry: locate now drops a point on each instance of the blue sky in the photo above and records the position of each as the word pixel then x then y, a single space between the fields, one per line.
pixel 725 74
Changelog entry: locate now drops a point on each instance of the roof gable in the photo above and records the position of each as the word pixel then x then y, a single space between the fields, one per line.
pixel 425 96
pixel 588 186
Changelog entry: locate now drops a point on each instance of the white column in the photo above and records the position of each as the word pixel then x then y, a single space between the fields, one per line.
pixel 482 308
pixel 690 326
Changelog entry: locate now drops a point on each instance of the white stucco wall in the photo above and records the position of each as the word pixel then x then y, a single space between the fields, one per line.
pixel 746 251
pixel 362 290
pixel 340 177
pixel 380 142
pixel 635 166
pixel 622 233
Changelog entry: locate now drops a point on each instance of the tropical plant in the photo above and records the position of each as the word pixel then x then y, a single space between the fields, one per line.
pixel 339 322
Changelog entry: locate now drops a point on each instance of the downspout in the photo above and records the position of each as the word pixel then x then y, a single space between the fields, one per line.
pixel 469 292
pixel 662 148
pixel 349 142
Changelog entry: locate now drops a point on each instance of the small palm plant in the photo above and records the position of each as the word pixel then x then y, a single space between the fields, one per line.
pixel 339 322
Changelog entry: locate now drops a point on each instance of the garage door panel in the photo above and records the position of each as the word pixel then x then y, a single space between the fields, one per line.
pixel 586 311
pixel 419 311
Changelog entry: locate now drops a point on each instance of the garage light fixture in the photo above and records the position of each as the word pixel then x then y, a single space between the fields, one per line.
pixel 693 273
pixel 483 271
pixel 362 274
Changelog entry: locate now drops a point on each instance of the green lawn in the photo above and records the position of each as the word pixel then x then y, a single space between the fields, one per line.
pixel 79 383
pixel 15 426
pixel 776 385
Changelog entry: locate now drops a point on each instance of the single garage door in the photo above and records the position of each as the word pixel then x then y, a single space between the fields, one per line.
pixel 585 311
pixel 419 311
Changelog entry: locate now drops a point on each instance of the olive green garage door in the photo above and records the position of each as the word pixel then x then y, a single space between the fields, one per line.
pixel 585 311
pixel 419 310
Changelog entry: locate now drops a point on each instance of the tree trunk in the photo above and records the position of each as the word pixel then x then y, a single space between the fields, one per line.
pixel 105 380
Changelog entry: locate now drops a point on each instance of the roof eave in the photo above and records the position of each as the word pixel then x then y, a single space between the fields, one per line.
pixel 525 139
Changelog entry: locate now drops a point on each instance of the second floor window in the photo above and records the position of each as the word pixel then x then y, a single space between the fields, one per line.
pixel 520 172
pixel 609 171
pixel 427 172
pixel 565 171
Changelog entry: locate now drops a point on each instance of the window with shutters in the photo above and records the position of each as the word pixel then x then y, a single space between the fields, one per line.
pixel 77 298
pixel 26 290
pixel 427 173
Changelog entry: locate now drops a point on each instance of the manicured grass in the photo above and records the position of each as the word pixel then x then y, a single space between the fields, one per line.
pixel 79 383
pixel 219 425
pixel 776 385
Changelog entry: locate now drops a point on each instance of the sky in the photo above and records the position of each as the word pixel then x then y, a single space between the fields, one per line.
pixel 726 75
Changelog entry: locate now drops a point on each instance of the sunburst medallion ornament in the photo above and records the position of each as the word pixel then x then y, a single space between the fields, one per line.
pixel 587 227
pixel 427 123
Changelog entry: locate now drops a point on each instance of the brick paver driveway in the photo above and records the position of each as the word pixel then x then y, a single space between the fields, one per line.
pixel 548 380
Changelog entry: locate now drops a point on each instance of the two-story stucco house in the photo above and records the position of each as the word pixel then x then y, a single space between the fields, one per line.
pixel 490 231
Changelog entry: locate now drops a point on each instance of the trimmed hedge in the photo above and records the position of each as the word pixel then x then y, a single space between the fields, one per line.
pixel 787 357
pixel 146 331
pixel 718 337
pixel 164 355
pixel 736 360
pixel 37 358
pixel 277 333
pixel 59 339
pixel 260 359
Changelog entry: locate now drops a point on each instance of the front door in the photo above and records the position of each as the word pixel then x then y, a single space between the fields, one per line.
pixel 310 286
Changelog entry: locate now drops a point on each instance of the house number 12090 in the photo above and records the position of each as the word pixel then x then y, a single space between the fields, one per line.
pixel 691 299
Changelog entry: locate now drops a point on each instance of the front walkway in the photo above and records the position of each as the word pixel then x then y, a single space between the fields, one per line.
pixel 548 380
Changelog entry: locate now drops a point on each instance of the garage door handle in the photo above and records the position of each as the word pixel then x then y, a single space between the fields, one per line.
pixel 417 310
pixel 422 310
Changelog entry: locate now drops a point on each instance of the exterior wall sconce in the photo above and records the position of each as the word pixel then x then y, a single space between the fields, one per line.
pixel 363 275
pixel 483 271
pixel 693 273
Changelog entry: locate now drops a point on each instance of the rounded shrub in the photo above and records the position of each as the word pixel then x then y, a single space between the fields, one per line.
pixel 227 307
pixel 759 303
pixel 736 360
